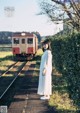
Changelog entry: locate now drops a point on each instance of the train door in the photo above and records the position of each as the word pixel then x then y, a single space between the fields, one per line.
pixel 30 45
pixel 23 45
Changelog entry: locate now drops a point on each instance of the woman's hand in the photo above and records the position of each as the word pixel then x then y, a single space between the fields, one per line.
pixel 44 72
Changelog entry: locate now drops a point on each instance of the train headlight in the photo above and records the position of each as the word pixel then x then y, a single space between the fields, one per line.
pixel 23 34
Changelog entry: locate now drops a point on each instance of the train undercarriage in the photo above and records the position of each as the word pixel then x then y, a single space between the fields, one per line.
pixel 23 57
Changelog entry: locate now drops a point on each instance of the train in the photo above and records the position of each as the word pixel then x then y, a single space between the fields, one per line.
pixel 24 44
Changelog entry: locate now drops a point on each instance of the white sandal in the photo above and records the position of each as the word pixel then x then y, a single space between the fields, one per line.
pixel 45 98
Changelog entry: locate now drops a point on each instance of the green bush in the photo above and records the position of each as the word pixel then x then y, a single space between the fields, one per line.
pixel 66 59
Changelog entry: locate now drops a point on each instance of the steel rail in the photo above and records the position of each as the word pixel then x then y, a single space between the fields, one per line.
pixel 12 81
pixel 8 69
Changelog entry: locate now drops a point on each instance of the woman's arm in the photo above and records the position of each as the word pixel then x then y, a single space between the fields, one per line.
pixel 48 62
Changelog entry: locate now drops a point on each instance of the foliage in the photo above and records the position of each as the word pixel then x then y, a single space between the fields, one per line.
pixel 66 59
pixel 60 100
pixel 58 10
pixel 5 37
pixel 39 52
pixel 38 36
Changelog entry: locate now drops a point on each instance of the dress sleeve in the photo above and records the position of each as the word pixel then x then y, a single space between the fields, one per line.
pixel 48 60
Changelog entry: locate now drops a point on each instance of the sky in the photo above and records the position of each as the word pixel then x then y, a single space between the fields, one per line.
pixel 24 17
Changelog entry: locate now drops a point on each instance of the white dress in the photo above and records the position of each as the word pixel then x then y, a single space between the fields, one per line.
pixel 44 86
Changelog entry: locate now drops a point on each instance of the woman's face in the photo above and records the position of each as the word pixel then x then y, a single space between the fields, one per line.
pixel 45 46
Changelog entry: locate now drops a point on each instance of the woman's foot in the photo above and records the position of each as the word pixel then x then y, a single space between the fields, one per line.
pixel 45 97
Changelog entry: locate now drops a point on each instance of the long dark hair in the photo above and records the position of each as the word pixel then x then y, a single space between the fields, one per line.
pixel 46 42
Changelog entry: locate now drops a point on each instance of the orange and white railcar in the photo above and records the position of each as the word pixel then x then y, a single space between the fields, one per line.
pixel 24 44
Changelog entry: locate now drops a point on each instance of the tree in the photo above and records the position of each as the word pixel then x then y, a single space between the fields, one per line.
pixel 58 10
pixel 5 37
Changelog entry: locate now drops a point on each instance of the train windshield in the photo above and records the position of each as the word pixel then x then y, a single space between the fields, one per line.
pixel 16 41
pixel 30 41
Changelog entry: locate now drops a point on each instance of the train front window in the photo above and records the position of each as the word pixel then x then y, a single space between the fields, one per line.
pixel 16 41
pixel 30 41
pixel 23 41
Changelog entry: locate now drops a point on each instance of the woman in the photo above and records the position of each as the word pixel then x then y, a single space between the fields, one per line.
pixel 44 87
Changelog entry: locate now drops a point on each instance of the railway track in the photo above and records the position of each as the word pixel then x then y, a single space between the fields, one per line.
pixel 22 97
pixel 6 81
pixel 10 67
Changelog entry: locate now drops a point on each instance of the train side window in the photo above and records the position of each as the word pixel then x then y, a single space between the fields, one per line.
pixel 23 41
pixel 30 41
pixel 16 41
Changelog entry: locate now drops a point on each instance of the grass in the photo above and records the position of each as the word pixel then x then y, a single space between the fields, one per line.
pixel 39 52
pixel 6 60
pixel 60 99
pixel 62 103
pixel 5 45
pixel 4 54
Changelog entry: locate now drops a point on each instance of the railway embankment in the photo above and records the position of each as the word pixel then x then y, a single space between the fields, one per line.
pixel 22 96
